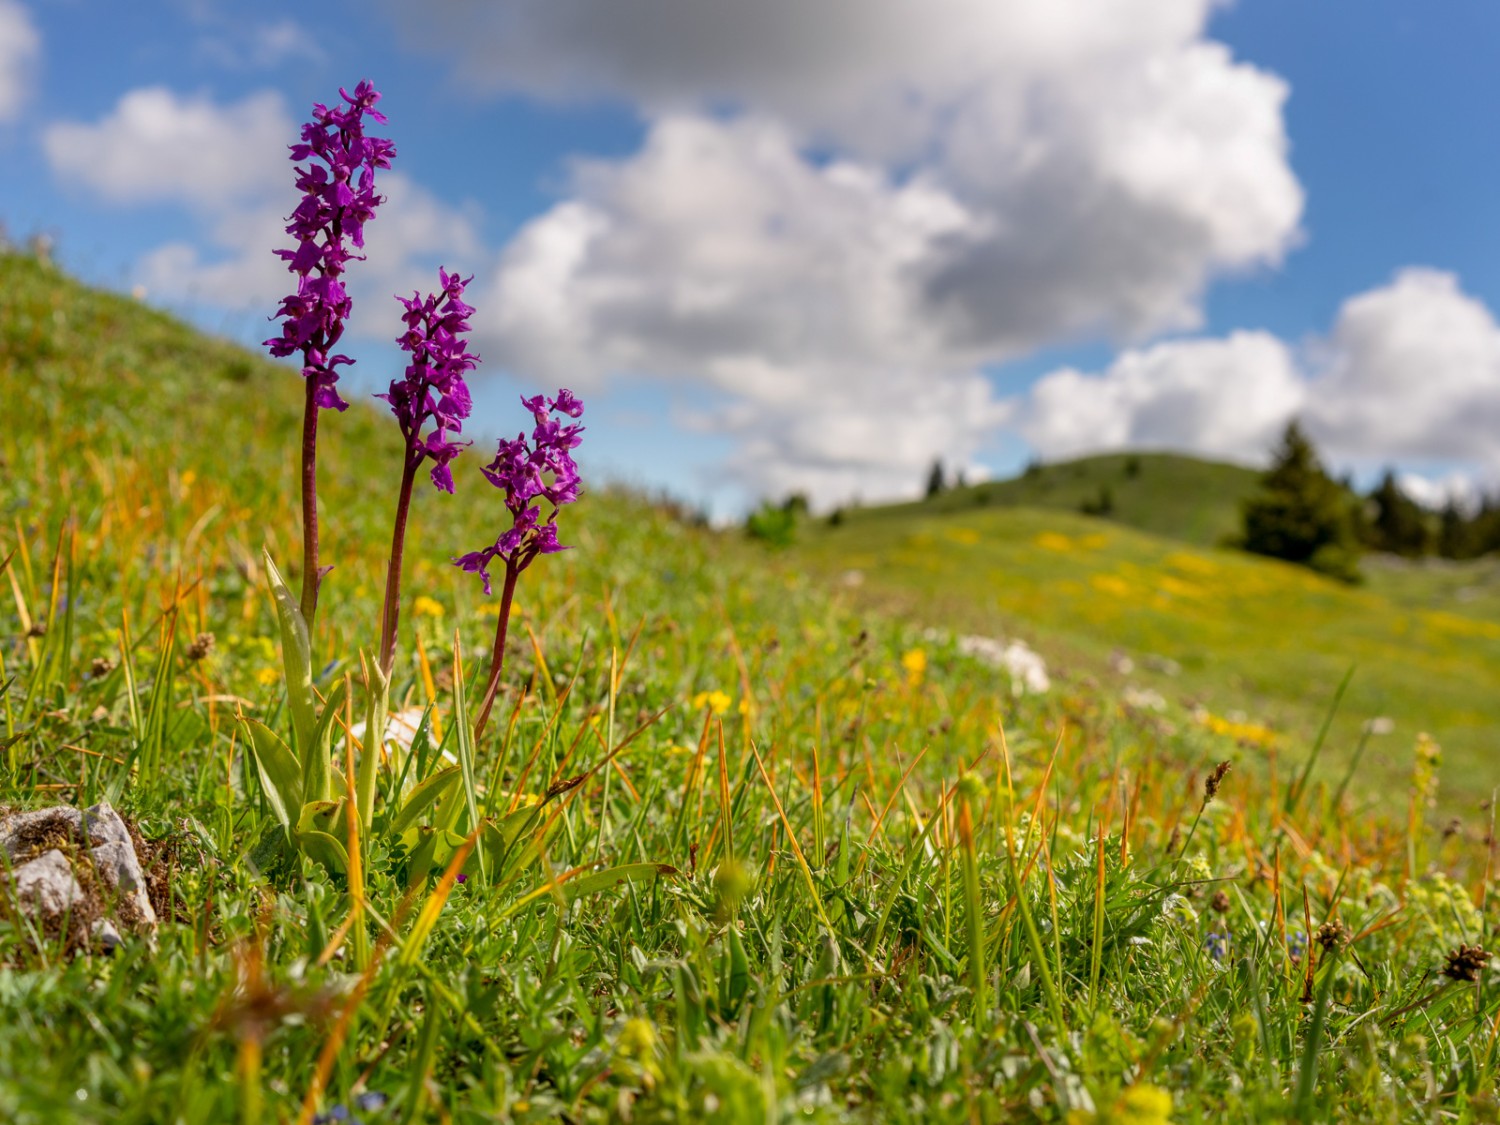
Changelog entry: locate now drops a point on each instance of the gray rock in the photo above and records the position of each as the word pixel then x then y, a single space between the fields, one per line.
pixel 19 830
pixel 105 936
pixel 45 885
pixel 104 826
pixel 120 871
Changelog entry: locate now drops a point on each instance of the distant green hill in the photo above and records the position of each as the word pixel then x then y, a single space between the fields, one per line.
pixel 1232 632
pixel 1166 494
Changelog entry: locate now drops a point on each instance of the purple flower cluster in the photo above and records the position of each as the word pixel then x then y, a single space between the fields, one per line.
pixel 433 387
pixel 335 207
pixel 529 472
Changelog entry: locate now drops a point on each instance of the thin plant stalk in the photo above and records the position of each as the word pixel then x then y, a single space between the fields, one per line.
pixel 497 656
pixel 391 614
pixel 311 578
pixel 973 912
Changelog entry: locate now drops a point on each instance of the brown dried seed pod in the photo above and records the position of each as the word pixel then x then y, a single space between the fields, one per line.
pixel 1465 963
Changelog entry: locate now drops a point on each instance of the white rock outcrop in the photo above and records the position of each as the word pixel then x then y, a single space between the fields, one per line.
pixel 44 882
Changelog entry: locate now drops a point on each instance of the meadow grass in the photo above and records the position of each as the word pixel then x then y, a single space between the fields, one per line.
pixel 807 874
pixel 1250 635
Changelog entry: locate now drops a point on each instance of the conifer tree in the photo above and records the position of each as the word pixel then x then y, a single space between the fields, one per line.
pixel 1300 514
pixel 1400 525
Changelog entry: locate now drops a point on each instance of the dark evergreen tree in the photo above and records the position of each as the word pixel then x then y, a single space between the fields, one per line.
pixel 1398 525
pixel 1300 514
pixel 936 481
pixel 1455 533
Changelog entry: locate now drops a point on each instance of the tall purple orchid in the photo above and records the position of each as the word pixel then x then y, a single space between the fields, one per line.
pixel 432 390
pixel 529 473
pixel 338 197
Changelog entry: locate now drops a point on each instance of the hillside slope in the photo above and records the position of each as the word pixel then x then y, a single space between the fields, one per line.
pixel 1167 494
pixel 1250 635
pixel 759 853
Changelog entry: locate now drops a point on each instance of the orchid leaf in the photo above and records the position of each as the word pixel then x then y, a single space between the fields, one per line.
pixel 280 775
pixel 317 770
pixel 296 659
pixel 325 849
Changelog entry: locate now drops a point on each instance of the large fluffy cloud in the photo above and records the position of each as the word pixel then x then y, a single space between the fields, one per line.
pixel 20 49
pixel 228 164
pixel 1224 398
pixel 157 146
pixel 1409 372
pixel 856 207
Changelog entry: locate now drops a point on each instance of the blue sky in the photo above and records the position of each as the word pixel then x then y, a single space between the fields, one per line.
pixel 813 244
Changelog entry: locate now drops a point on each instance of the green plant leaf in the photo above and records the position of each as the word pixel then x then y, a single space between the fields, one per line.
pixel 296 659
pixel 324 816
pixel 466 747
pixel 326 850
pixel 280 776
pixel 613 876
pixel 423 797
pixel 317 769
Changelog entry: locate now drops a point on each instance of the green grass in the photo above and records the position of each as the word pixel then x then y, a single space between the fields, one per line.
pixel 1165 494
pixel 1250 635
pixel 835 934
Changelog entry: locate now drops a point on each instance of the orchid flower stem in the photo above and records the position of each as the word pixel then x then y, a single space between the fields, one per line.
pixel 497 658
pixel 391 615
pixel 311 578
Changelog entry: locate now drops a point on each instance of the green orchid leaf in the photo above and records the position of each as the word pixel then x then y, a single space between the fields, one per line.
pixel 296 658
pixel 375 721
pixel 317 768
pixel 325 849
pixel 325 816
pixel 280 775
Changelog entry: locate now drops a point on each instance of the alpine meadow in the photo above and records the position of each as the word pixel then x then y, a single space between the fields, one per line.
pixel 462 787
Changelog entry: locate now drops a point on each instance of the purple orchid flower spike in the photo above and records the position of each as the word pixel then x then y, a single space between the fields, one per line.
pixel 528 472
pixel 431 391
pixel 337 183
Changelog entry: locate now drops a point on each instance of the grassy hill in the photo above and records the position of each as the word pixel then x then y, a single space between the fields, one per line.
pixel 1165 494
pixel 1246 634
pixel 759 853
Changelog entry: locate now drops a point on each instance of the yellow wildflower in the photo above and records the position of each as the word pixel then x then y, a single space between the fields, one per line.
pixel 489 609
pixel 915 662
pixel 267 676
pixel 716 701
pixel 427 607
pixel 1141 1104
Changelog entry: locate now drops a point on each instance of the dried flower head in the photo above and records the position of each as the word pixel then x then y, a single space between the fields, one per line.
pixel 101 667
pixel 433 387
pixel 1220 902
pixel 1214 780
pixel 338 198
pixel 1332 934
pixel 529 472
pixel 202 645
pixel 1465 963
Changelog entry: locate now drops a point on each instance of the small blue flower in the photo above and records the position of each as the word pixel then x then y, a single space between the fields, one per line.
pixel 1216 945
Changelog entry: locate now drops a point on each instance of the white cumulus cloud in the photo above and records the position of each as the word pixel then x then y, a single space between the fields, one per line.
pixel 159 146
pixel 228 163
pixel 20 51
pixel 1408 373
pixel 846 210
pixel 1411 370
pixel 1220 397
